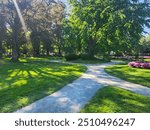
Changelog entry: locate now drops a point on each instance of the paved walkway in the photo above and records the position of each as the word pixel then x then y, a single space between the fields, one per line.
pixel 73 97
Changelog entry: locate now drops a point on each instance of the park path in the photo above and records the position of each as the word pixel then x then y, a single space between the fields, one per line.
pixel 73 97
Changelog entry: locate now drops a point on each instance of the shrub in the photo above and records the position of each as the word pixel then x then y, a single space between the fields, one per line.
pixel 87 57
pixel 71 57
pixel 137 64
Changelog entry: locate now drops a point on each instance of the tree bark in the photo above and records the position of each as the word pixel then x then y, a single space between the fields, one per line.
pixel 1 50
pixel 91 47
pixel 15 47
pixel 15 36
pixel 47 45
pixel 47 51
pixel 15 53
pixel 59 51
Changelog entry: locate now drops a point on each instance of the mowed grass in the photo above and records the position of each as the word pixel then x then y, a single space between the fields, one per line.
pixel 25 82
pixel 116 100
pixel 44 59
pixel 147 60
pixel 135 75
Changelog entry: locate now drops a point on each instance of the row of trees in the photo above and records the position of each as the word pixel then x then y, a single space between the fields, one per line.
pixel 33 28
pixel 92 27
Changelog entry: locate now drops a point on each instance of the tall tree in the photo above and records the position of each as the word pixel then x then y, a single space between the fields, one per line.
pixel 14 24
pixel 2 27
pixel 44 20
pixel 37 19
pixel 105 26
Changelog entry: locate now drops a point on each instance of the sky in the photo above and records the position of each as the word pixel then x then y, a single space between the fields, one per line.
pixel 146 29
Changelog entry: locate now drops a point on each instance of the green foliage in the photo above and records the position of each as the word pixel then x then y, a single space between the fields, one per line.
pixel 84 57
pixel 25 82
pixel 116 100
pixel 102 26
pixel 38 32
pixel 145 45
pixel 93 27
pixel 135 75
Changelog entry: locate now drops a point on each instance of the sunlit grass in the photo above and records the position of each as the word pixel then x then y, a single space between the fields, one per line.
pixel 43 58
pixel 25 82
pixel 135 75
pixel 116 100
pixel 148 60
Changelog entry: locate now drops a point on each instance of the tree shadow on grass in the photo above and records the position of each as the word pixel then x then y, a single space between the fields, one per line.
pixel 32 81
pixel 139 76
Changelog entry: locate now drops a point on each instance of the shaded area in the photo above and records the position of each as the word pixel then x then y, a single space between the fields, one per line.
pixel 117 100
pixel 135 75
pixel 25 82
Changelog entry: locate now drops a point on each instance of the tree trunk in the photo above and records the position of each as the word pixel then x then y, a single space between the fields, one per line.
pixel 47 51
pixel 15 47
pixel 15 55
pixel 15 35
pixel 91 47
pixel 47 45
pixel 59 51
pixel 36 52
pixel 36 46
pixel 1 50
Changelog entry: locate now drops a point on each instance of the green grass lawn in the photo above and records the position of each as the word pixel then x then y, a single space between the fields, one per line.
pixel 117 100
pixel 25 82
pixel 148 60
pixel 135 75
pixel 45 59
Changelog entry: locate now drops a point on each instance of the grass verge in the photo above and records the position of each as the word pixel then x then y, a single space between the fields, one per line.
pixel 135 75
pixel 25 82
pixel 117 100
pixel 147 60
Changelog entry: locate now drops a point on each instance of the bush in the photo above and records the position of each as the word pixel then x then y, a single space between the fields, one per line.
pixel 72 57
pixel 145 65
pixel 84 57
pixel 87 57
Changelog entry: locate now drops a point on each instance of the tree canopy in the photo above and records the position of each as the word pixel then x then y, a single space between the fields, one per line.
pixel 36 21
pixel 103 26
pixel 90 27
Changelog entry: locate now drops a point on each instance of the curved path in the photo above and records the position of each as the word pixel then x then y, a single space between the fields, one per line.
pixel 73 97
